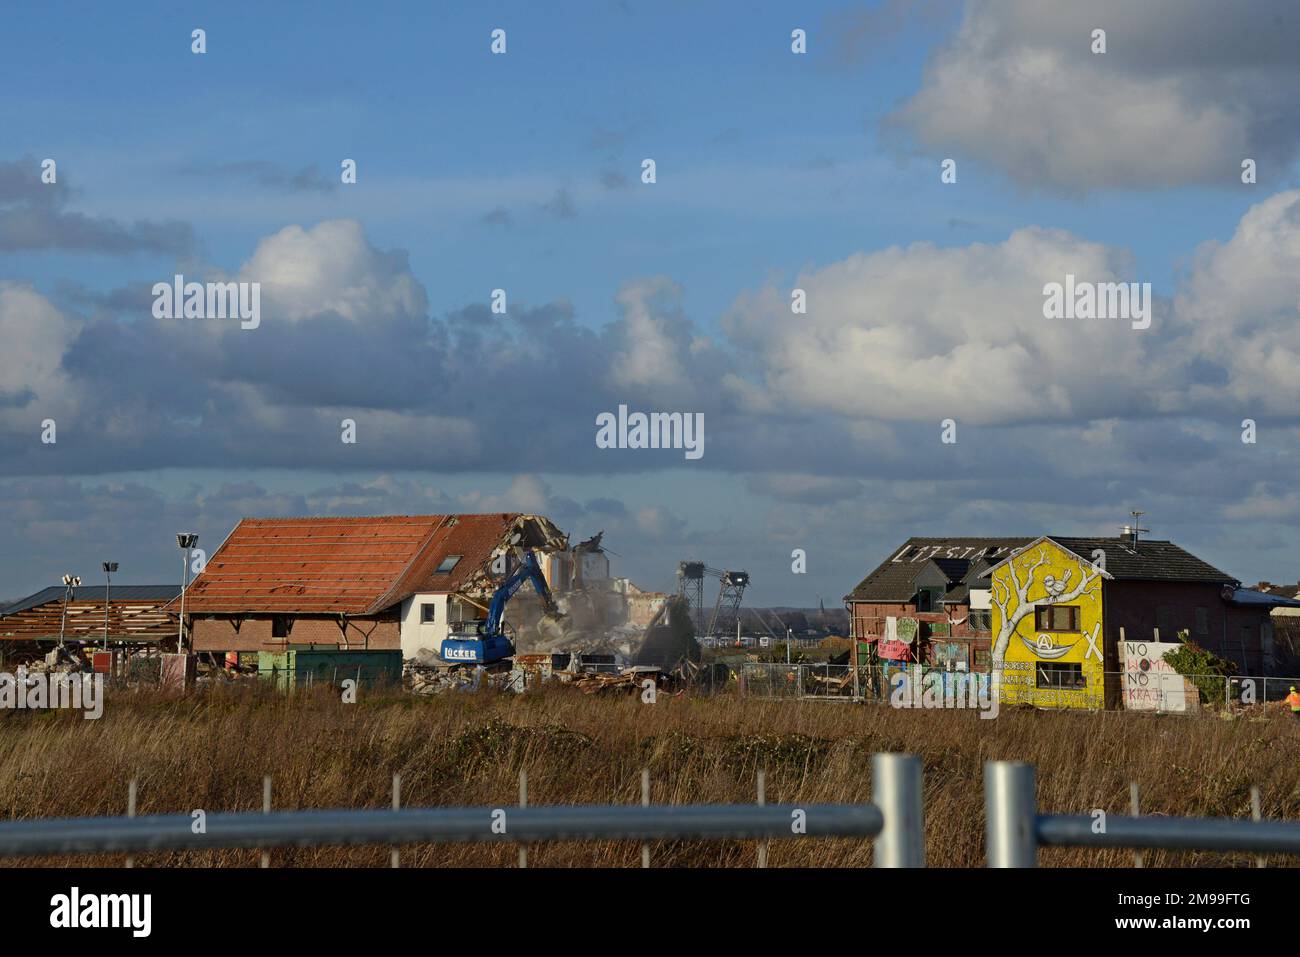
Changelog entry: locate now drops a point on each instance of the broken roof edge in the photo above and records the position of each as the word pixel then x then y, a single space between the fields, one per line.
pixel 85 594
pixel 544 535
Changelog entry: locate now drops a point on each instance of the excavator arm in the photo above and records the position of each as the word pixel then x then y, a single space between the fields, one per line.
pixel 490 643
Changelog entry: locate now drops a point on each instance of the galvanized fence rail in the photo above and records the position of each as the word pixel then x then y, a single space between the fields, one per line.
pixel 893 819
pixel 1015 829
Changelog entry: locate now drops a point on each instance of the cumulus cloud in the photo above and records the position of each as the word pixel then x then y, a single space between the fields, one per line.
pixel 1185 91
pixel 923 333
pixel 654 339
pixel 1240 305
pixel 33 383
pixel 345 334
pixel 893 342
pixel 33 215
pixel 331 268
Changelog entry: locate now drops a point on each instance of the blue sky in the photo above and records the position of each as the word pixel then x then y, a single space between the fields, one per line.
pixel 522 172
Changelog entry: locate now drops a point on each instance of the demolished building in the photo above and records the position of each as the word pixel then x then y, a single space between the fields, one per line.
pixel 400 582
pixel 133 616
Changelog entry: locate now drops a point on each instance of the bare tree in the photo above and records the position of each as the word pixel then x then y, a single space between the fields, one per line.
pixel 1089 576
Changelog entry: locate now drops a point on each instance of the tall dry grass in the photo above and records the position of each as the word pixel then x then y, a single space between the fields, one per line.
pixel 210 750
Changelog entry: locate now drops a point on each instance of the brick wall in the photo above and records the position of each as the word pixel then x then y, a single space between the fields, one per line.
pixel 1141 607
pixel 254 633
pixel 867 619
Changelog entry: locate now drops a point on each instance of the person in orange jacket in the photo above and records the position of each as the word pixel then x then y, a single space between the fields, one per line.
pixel 1293 699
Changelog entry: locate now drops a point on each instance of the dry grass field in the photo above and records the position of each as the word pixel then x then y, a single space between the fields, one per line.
pixel 211 750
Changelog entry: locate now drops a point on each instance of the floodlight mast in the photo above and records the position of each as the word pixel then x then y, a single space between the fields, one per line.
pixel 70 582
pixel 109 568
pixel 186 542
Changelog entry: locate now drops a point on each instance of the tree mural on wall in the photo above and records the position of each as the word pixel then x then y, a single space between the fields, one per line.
pixel 1054 591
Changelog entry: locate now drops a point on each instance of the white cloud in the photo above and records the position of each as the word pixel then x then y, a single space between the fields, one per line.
pixel 655 346
pixel 924 333
pixel 331 267
pixel 1185 91
pixel 1241 306
pixel 36 336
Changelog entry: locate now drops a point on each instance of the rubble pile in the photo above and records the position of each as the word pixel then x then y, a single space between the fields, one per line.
pixel 628 680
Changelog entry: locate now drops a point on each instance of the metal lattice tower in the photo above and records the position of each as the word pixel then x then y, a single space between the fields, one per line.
pixel 690 586
pixel 726 611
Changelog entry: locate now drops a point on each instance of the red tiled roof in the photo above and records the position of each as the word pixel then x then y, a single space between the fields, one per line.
pixel 343 565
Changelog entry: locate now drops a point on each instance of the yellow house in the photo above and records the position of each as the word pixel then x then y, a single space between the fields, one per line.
pixel 1047 628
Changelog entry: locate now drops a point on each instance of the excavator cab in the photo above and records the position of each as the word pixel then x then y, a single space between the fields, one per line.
pixel 469 644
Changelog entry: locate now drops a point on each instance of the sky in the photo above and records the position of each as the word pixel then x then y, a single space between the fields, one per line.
pixel 922 391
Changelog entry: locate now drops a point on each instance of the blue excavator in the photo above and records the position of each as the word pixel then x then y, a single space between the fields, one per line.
pixel 484 642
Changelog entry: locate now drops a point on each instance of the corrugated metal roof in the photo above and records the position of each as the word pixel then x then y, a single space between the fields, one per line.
pixel 346 565
pixel 95 593
pixel 134 613
pixel 1252 596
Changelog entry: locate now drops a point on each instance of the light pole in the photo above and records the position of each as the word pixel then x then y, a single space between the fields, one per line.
pixel 69 582
pixel 185 541
pixel 109 568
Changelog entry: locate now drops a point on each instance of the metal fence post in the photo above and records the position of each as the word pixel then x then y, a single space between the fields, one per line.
pixel 1010 810
pixel 396 859
pixel 1256 817
pixel 896 791
pixel 762 800
pixel 645 802
pixel 266 809
pixel 130 812
pixel 1135 807
pixel 523 802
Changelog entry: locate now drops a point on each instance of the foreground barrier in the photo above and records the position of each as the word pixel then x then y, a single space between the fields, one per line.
pixel 893 819
pixel 1015 829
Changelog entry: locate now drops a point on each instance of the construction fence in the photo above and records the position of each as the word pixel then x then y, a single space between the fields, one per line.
pixel 918 686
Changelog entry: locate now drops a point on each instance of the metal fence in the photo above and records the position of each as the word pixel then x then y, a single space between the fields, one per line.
pixel 893 819
pixel 1153 692
pixel 146 671
pixel 1015 830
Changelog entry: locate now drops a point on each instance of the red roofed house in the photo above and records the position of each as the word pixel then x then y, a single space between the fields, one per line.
pixel 384 582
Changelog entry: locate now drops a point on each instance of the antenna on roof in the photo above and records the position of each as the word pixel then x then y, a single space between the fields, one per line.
pixel 1132 531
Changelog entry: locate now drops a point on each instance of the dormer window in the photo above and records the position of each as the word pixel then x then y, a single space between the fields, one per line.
pixel 928 599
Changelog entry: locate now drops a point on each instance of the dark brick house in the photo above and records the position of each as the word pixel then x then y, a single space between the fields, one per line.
pixel 939 582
